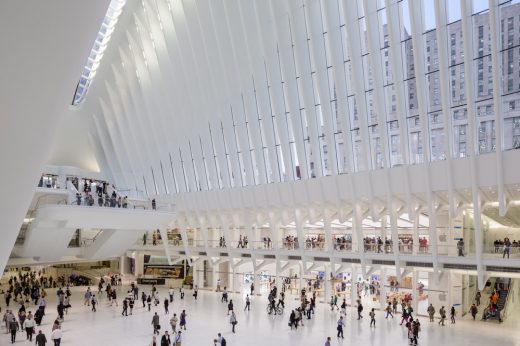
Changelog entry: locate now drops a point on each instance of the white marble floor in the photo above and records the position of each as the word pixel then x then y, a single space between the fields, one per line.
pixel 207 317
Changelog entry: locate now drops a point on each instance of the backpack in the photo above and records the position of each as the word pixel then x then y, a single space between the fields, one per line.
pixel 223 342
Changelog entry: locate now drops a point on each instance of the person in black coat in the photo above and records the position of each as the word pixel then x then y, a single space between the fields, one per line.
pixel 165 340
pixel 41 340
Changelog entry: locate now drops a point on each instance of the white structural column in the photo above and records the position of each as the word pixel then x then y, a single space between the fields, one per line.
pixel 415 234
pixel 467 36
pixel 304 82
pixel 354 37
pixel 275 93
pixel 496 71
pixel 395 57
pixel 289 75
pixel 321 83
pixel 382 290
pixel 331 13
pixel 416 19
pixel 441 21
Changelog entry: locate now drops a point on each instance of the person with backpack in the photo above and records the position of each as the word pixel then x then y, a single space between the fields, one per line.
pixel 178 339
pixel 220 340
pixel 442 312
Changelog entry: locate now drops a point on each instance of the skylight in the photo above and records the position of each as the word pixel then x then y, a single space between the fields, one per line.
pixel 89 71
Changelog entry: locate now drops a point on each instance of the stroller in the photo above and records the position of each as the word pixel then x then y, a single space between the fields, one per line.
pixel 38 316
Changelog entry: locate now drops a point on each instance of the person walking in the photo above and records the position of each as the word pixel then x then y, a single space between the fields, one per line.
pixel 166 304
pixel 56 336
pixel 327 342
pixel 125 307
pixel 224 295
pixel 41 340
pixel 460 247
pixel 343 307
pixel 478 295
pixel 292 320
pixel 94 302
pixel 13 328
pixel 248 303
pixel 173 323
pixel 359 310
pixel 155 324
pixel 341 324
pixel 442 312
pixel 87 296
pixel 233 321
pixel 165 340
pixel 143 298
pixel 195 292
pixel 453 313
pixel 149 302
pixel 182 323
pixel 507 247
pixel 372 315
pixel 178 339
pixel 29 325
pixel 230 306
pixel 416 327
pixel 431 312
pixel 389 310
pixel 218 285
pixel 170 293
pixel 474 311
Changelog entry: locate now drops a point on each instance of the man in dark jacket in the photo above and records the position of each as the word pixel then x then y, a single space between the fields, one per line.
pixel 41 340
pixel 13 328
pixel 165 340
pixel 155 323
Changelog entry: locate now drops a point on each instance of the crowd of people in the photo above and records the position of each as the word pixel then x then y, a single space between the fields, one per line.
pixel 27 288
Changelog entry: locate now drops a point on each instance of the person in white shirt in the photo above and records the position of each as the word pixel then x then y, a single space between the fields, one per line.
pixel 56 336
pixel 178 339
pixel 170 292
pixel 29 324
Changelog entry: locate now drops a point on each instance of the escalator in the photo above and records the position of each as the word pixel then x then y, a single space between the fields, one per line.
pixel 496 311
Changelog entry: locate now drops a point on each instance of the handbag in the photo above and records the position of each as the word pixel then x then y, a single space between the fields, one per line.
pixel 158 326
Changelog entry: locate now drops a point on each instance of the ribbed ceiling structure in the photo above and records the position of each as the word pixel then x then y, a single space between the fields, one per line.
pixel 199 95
